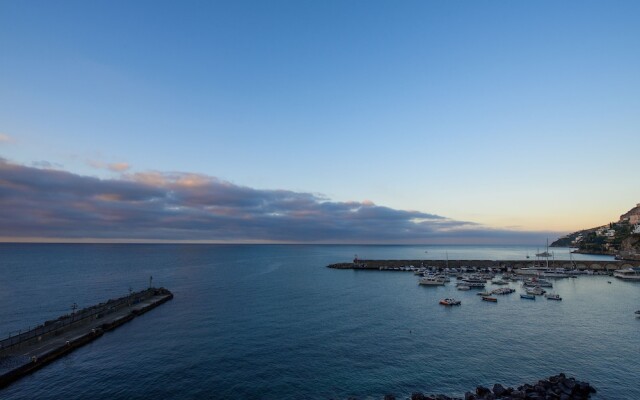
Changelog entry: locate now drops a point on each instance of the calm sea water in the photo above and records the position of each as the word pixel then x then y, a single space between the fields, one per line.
pixel 272 322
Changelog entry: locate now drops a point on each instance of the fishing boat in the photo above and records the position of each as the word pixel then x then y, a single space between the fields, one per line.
pixel 489 299
pixel 537 291
pixel 431 281
pixel 533 282
pixel 450 302
pixel 503 290
pixel 470 283
pixel 555 273
pixel 528 296
pixel 553 296
pixel 631 274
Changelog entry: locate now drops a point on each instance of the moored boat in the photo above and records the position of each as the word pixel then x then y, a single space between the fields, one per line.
pixel 555 273
pixel 528 296
pixel 553 296
pixel 463 287
pixel 536 282
pixel 630 274
pixel 450 302
pixel 503 290
pixel 537 291
pixel 484 293
pixel 431 281
pixel 471 284
pixel 489 299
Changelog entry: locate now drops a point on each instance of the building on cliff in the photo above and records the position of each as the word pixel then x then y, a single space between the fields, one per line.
pixel 632 216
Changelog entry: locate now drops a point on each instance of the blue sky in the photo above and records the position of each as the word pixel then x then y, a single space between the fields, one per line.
pixel 511 115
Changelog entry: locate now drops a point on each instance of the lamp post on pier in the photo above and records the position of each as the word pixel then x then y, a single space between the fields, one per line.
pixel 74 307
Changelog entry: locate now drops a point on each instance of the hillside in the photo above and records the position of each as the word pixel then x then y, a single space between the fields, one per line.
pixel 620 238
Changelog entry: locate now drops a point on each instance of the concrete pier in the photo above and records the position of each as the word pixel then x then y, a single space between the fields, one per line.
pixel 24 353
pixel 595 265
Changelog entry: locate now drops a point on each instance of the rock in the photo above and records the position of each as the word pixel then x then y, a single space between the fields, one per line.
pixel 557 387
pixel 551 396
pixel 540 389
pixel 518 394
pixel 498 390
pixel 482 391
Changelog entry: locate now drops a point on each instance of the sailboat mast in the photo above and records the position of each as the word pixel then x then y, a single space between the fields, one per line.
pixel 547 253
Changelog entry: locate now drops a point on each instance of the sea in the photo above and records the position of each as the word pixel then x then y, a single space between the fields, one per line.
pixel 273 322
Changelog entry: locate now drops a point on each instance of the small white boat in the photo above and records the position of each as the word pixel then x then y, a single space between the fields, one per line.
pixel 450 302
pixel 503 290
pixel 631 274
pixel 536 291
pixel 471 284
pixel 431 281
pixel 499 282
pixel 533 282
pixel 463 287
pixel 484 293
pixel 554 296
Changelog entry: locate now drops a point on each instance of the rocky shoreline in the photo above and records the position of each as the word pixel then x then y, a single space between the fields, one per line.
pixel 558 387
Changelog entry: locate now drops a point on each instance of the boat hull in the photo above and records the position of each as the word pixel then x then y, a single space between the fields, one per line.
pixel 489 299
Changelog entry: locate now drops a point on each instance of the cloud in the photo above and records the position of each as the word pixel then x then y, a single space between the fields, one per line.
pixel 118 167
pixel 4 138
pixel 57 204
pixel 46 165
pixel 113 167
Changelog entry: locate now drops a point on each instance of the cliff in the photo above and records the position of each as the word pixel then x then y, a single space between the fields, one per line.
pixel 621 238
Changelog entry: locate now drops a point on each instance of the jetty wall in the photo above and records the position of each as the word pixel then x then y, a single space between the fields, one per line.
pixel 39 346
pixel 593 265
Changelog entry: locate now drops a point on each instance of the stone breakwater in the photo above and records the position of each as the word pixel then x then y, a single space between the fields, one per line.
pixel 558 387
pixel 31 350
pixel 390 265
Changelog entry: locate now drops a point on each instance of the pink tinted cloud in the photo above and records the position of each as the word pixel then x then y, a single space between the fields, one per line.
pixel 183 206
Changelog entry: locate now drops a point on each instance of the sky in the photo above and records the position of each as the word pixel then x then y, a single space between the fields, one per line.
pixel 326 121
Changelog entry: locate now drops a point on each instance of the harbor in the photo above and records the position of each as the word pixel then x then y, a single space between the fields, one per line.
pixel 491 278
pixel 27 351
pixel 608 266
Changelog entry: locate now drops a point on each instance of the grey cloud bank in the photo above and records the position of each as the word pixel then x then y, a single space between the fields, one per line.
pixel 55 204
